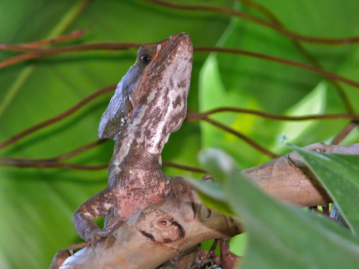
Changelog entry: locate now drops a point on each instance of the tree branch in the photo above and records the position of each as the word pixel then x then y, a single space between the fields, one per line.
pixel 164 230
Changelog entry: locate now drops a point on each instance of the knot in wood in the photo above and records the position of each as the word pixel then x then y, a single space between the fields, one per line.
pixel 159 227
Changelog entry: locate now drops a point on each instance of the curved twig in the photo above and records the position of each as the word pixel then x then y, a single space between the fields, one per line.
pixel 347 129
pixel 41 52
pixel 57 118
pixel 192 115
pixel 51 163
pixel 243 137
pixel 183 167
pixel 75 34
pixel 311 68
pixel 302 50
pixel 37 53
pixel 77 151
pixel 22 163
pixel 54 162
pixel 33 53
pixel 273 26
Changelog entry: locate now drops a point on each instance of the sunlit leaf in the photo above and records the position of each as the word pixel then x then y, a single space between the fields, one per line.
pixel 36 205
pixel 339 176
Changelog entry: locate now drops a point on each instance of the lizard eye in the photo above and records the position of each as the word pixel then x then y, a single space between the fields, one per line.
pixel 146 58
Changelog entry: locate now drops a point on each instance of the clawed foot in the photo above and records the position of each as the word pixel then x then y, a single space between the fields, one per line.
pixel 204 178
pixel 180 186
pixel 93 238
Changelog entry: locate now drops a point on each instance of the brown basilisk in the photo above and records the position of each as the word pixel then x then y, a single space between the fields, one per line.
pixel 150 103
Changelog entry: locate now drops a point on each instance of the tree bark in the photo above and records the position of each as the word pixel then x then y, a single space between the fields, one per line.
pixel 163 231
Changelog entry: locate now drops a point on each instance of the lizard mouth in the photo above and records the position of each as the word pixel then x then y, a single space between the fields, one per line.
pixel 171 46
pixel 180 37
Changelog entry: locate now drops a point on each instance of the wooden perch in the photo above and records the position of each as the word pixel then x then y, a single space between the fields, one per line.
pixel 153 236
pixel 288 179
pixel 162 231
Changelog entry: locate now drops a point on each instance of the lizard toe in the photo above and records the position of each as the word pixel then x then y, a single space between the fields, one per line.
pixel 75 246
pixel 180 186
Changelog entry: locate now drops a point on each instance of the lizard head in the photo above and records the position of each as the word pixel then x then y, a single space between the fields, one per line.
pixel 150 101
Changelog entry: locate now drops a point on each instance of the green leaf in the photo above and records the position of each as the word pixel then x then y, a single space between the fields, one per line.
pixel 282 235
pixel 339 176
pixel 313 103
pixel 217 170
pixel 246 82
pixel 36 205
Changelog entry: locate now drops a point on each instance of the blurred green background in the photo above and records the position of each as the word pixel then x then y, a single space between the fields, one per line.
pixel 36 205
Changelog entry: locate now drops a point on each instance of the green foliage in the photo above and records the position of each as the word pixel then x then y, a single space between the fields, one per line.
pixel 339 175
pixel 247 82
pixel 36 205
pixel 281 235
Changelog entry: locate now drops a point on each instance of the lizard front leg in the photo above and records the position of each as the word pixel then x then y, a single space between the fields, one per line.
pixel 180 186
pixel 97 206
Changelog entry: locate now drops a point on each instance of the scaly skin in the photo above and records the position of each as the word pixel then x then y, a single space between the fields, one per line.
pixel 149 104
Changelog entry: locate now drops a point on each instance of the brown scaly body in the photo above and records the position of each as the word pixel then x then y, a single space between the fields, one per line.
pixel 149 104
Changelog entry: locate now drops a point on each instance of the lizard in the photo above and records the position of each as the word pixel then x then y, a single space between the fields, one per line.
pixel 149 103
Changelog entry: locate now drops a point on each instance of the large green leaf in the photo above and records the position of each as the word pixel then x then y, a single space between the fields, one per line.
pixel 339 175
pixel 36 205
pixel 281 235
pixel 252 83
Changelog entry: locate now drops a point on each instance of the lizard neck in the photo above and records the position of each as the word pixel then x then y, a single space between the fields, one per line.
pixel 129 154
pixel 155 108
